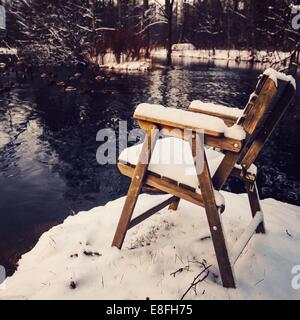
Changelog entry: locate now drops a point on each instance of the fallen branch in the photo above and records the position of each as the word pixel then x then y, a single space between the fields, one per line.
pixel 199 278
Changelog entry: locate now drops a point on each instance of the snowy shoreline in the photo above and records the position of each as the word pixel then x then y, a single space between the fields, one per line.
pixel 108 61
pixel 127 66
pixel 74 260
pixel 257 56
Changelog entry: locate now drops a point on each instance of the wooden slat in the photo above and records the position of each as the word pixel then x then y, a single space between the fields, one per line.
pixel 224 170
pixel 245 237
pixel 165 186
pixel 224 143
pixel 212 141
pixel 258 106
pixel 148 189
pixel 170 124
pixel 174 205
pixel 137 180
pixel 229 120
pixel 213 217
pixel 147 214
pixel 254 203
pixel 263 133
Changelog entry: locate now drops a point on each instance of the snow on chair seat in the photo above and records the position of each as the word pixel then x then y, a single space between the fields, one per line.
pixel 172 158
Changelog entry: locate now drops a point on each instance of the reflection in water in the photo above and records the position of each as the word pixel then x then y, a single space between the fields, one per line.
pixel 48 142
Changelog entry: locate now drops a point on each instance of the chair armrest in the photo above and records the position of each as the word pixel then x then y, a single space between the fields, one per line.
pixel 216 133
pixel 229 115
pixel 181 119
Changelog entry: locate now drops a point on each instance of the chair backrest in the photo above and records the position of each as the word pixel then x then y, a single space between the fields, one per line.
pixel 271 99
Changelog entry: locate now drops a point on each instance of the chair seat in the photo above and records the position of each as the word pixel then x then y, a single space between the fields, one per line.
pixel 172 158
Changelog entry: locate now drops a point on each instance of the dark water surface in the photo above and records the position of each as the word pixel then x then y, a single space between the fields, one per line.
pixel 48 142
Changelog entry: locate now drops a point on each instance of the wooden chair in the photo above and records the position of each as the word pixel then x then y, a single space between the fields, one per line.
pixel 273 94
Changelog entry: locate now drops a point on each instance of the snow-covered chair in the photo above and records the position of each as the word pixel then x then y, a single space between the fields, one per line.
pixel 233 139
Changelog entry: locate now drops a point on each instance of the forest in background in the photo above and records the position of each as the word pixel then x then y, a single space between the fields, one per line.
pixel 80 30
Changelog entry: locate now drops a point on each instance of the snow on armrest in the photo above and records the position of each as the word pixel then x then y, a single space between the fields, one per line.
pixel 236 132
pixel 216 108
pixel 188 119
pixel 180 117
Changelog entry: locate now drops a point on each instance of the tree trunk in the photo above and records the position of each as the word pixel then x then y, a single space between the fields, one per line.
pixel 184 14
pixel 147 30
pixel 169 13
pixel 119 10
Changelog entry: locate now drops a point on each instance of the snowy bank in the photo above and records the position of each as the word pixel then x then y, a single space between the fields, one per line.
pixel 128 66
pixel 227 55
pixel 8 51
pixel 75 261
pixel 109 61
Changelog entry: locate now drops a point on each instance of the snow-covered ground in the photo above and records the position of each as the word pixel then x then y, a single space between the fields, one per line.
pixel 75 261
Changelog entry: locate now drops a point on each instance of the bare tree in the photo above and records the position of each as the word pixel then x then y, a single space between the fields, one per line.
pixel 146 12
pixel 169 5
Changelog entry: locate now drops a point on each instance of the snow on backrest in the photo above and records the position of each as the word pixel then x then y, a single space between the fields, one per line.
pixel 272 86
pixel 273 97
pixel 275 76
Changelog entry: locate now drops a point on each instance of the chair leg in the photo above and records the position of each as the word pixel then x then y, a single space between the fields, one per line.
pixel 214 221
pixel 174 205
pixel 254 203
pixel 135 188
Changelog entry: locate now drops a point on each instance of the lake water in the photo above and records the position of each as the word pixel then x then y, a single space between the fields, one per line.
pixel 48 141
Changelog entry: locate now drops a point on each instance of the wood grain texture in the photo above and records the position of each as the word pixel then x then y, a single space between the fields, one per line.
pixel 224 170
pixel 170 124
pixel 254 203
pixel 147 214
pixel 229 120
pixel 214 221
pixel 135 186
pixel 258 106
pixel 165 186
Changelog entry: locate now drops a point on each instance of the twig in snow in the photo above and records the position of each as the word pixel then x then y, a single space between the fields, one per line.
pixel 102 281
pixel 205 238
pixel 289 234
pixel 92 254
pixel 258 282
pixel 186 268
pixel 199 278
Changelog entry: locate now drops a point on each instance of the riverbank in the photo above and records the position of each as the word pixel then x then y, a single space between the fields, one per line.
pixel 267 57
pixel 139 65
pixel 160 257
